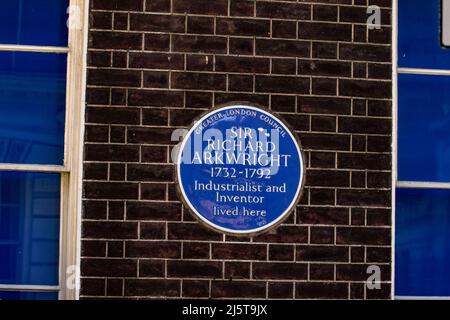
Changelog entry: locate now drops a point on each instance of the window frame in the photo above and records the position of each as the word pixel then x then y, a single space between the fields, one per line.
pixel 396 70
pixel 71 171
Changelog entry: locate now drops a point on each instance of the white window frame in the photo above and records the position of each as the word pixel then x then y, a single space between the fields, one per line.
pixel 71 170
pixel 395 182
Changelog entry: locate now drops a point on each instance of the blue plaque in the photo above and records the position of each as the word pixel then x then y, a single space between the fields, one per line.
pixel 240 170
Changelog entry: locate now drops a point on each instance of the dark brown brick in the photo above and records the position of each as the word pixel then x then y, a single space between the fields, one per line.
pixel 322 253
pixel 105 152
pixel 363 236
pixel 195 288
pixel 109 230
pixel 111 190
pixel 113 115
pixel 155 117
pixel 148 60
pixel 358 272
pixel 196 250
pixel 240 83
pixel 378 255
pixel 119 78
pixel 151 268
pixel 323 123
pixel 284 29
pixel 324 86
pixel 324 68
pixel 217 7
pixel 155 98
pixel 364 161
pixel 130 5
pixel 199 62
pixel 282 10
pixel 366 198
pixel 242 64
pixel 323 215
pixel 194 269
pixel 198 81
pixel 280 271
pixel 115 40
pixel 283 48
pixel 155 79
pixel 93 248
pixel 285 234
pixel 191 231
pixel 322 235
pixel 152 287
pixel 322 160
pixel 183 117
pixel 241 46
pixel 364 52
pixel 237 270
pixel 156 22
pixel 152 249
pixel 239 251
pixel 149 172
pixel 321 290
pixel 281 252
pixel 92 287
pixel 325 13
pixel 322 196
pixel 324 31
pixel 283 103
pixel 324 50
pixel 281 84
pixel 238 289
pixel 156 42
pixel 146 135
pixel 243 27
pixel 364 88
pixel 153 211
pixel 101 20
pixel 198 100
pixel 109 267
pixel 96 133
pixel 359 15
pixel 157 5
pixel 242 8
pixel 321 272
pixel 325 141
pixel 156 154
pixel 95 171
pixel 199 44
pixel 281 290
pixel 152 230
pixel 324 105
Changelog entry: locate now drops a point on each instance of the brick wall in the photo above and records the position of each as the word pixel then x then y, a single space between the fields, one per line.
pixel 155 65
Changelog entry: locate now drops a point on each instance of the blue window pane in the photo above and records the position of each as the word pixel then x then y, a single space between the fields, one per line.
pixel 18 295
pixel 34 22
pixel 419 35
pixel 422 257
pixel 32 107
pixel 424 128
pixel 29 228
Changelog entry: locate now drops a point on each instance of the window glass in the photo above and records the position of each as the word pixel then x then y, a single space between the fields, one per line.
pixel 424 128
pixel 34 22
pixel 18 295
pixel 29 228
pixel 422 256
pixel 419 35
pixel 32 107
